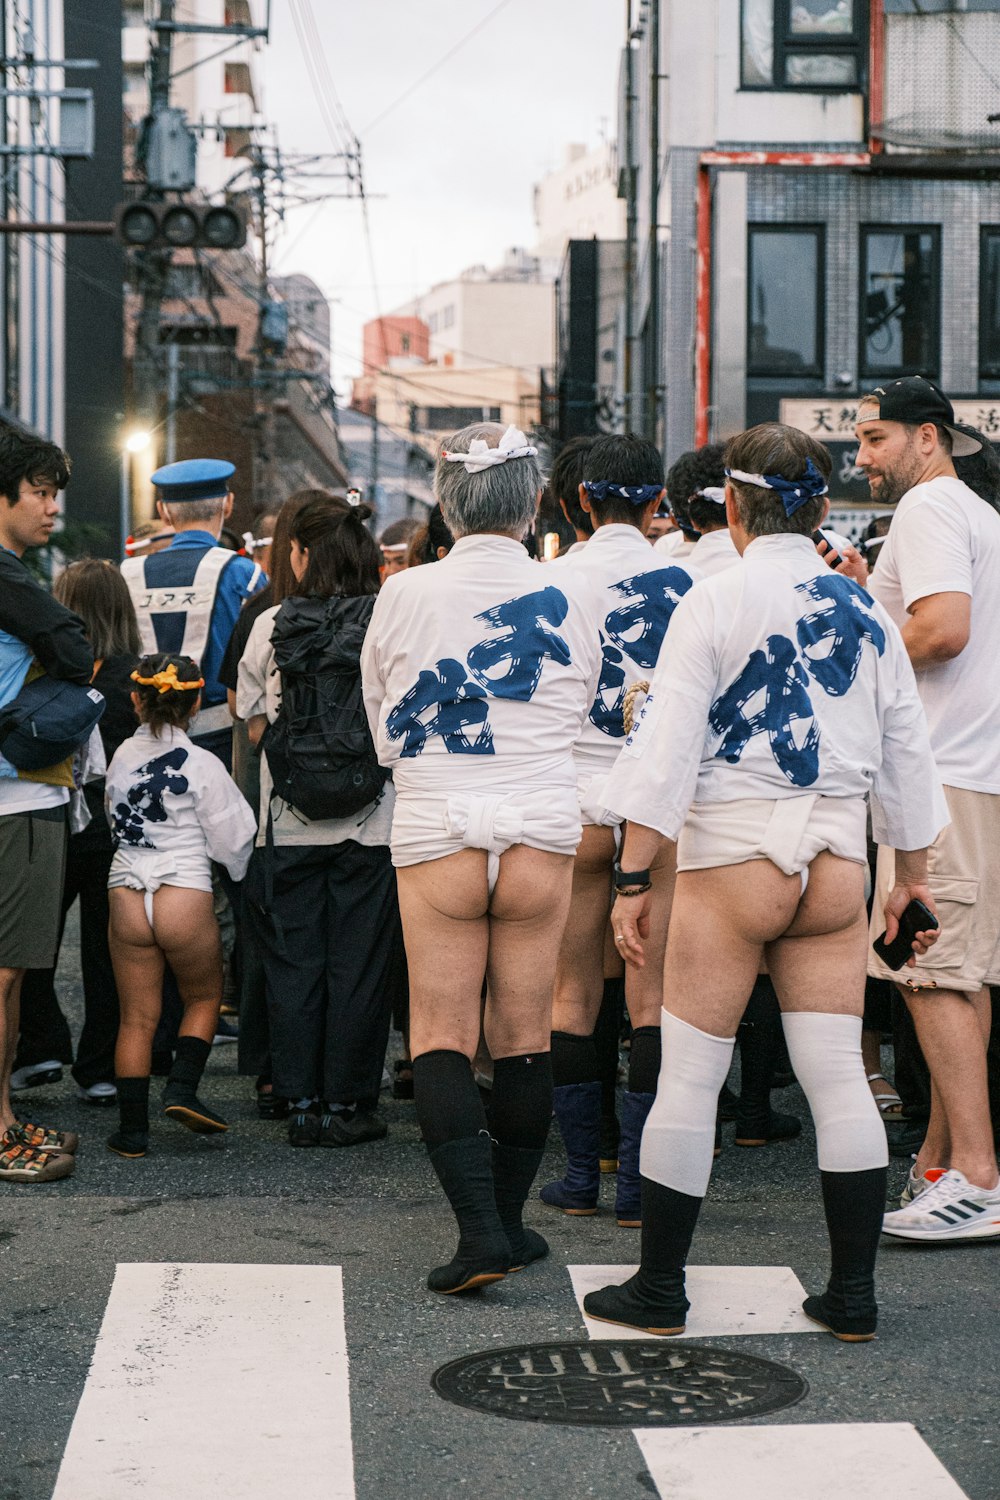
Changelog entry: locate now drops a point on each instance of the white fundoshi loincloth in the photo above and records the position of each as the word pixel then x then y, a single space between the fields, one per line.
pixel 789 831
pixel 147 869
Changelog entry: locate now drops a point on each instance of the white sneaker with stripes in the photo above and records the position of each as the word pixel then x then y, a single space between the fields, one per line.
pixel 916 1184
pixel 950 1209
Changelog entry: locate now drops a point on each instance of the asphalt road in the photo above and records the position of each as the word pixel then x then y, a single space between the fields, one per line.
pixel 375 1210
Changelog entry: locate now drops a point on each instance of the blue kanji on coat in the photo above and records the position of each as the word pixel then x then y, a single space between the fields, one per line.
pixel 777 680
pixel 144 800
pixel 528 639
pixel 831 638
pixel 607 710
pixel 459 705
pixel 639 626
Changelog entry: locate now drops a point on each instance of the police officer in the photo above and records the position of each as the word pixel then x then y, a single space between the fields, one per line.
pixel 188 596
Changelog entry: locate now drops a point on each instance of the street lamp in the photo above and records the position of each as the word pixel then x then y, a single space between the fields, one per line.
pixel 136 442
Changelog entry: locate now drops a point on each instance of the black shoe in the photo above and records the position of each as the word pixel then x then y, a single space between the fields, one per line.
pixel 351 1127
pixel 303 1127
pixel 608 1147
pixel 653 1302
pixel 728 1103
pixel 181 1103
pixel 402 1078
pixel 905 1140
pixel 853 1319
pixel 270 1106
pixel 128 1144
pixel 763 1130
pixel 465 1171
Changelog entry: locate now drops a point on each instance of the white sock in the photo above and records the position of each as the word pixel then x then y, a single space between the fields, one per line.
pixel 679 1137
pixel 826 1056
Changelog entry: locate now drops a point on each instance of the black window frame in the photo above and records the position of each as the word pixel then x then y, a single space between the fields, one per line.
pixel 818 231
pixel 885 372
pixel 987 370
pixel 853 44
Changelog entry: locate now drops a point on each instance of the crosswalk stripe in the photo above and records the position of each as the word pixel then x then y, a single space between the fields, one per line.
pixel 724 1300
pixel 773 1461
pixel 824 1461
pixel 212 1381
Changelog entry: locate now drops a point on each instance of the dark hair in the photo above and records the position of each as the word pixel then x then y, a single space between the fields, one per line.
pixel 622 458
pixel 98 593
pixel 981 471
pixel 698 469
pixel 343 556
pixel 174 707
pixel 25 456
pixel 397 532
pixel 773 448
pixel 427 542
pixel 281 580
pixel 565 481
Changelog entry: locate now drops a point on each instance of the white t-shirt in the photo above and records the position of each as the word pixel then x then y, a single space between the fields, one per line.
pixel 945 540
pixel 479 670
pixel 259 692
pixel 631 591
pixel 781 679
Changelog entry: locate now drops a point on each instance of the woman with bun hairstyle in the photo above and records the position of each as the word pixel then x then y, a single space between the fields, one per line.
pixel 322 882
pixel 173 809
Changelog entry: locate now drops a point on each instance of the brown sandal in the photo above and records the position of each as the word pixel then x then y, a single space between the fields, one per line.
pixel 20 1163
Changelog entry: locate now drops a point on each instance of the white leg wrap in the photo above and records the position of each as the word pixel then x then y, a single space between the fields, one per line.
pixel 679 1137
pixel 826 1055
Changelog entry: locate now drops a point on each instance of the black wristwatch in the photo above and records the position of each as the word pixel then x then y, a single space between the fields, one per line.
pixel 631 882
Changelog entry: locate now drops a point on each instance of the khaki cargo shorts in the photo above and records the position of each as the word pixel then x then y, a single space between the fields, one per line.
pixel 964 866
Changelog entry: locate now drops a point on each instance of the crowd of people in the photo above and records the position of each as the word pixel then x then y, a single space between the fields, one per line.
pixel 664 789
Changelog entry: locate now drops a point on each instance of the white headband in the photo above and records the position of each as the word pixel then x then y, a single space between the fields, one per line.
pixel 713 492
pixel 481 456
pixel 251 542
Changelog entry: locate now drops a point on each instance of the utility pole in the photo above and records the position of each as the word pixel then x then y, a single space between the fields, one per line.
pixel 153 264
pixel 654 353
pixel 374 456
pixel 630 224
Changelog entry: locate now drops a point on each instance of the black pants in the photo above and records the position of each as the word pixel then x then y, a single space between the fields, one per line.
pixel 44 1032
pixel 330 936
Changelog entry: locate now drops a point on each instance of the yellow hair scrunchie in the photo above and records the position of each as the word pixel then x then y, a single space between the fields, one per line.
pixel 167 680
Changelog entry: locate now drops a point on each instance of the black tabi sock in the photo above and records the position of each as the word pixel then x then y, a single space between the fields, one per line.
pixel 448 1104
pixel 133 1105
pixel 574 1059
pixel 189 1061
pixel 644 1060
pixel 668 1224
pixel 854 1203
pixel 607 1038
pixel 521 1101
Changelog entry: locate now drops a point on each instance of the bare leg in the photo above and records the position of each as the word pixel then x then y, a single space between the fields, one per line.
pixel 443 905
pixel 10 1022
pixel 138 966
pixel 527 915
pixel 579 981
pixel 187 932
pixel 950 1031
pixel 644 987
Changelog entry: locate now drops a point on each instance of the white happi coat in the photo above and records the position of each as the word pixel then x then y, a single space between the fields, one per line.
pixel 478 673
pixel 631 591
pixel 713 553
pixel 173 808
pixel 784 680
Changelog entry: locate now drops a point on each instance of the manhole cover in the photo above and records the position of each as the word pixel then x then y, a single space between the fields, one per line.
pixel 631 1384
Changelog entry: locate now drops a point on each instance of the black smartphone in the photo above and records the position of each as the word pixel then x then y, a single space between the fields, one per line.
pixel 832 559
pixel 916 918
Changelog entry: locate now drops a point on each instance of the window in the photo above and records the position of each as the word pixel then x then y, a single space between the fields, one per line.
pixel 900 300
pixel 803 44
pixel 785 300
pixel 451 418
pixel 989 302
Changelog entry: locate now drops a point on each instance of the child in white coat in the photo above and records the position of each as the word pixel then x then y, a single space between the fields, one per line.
pixel 173 809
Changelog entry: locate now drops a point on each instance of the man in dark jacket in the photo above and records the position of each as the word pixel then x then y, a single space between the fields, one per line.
pixel 35 631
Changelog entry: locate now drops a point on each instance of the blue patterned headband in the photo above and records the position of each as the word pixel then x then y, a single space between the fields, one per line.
pixel 794 492
pixel 638 494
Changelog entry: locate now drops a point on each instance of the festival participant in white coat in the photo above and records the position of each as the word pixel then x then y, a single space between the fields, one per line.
pixel 632 591
pixel 478 675
pixel 785 698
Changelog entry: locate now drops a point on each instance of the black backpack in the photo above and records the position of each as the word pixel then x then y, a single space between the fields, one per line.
pixel 319 749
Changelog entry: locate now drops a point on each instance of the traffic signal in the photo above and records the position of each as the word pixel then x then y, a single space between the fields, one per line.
pixel 152 225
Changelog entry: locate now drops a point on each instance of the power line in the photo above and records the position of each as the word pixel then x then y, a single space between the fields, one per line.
pixel 435 67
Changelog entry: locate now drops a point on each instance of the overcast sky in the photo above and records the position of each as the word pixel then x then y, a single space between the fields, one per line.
pixel 456 159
